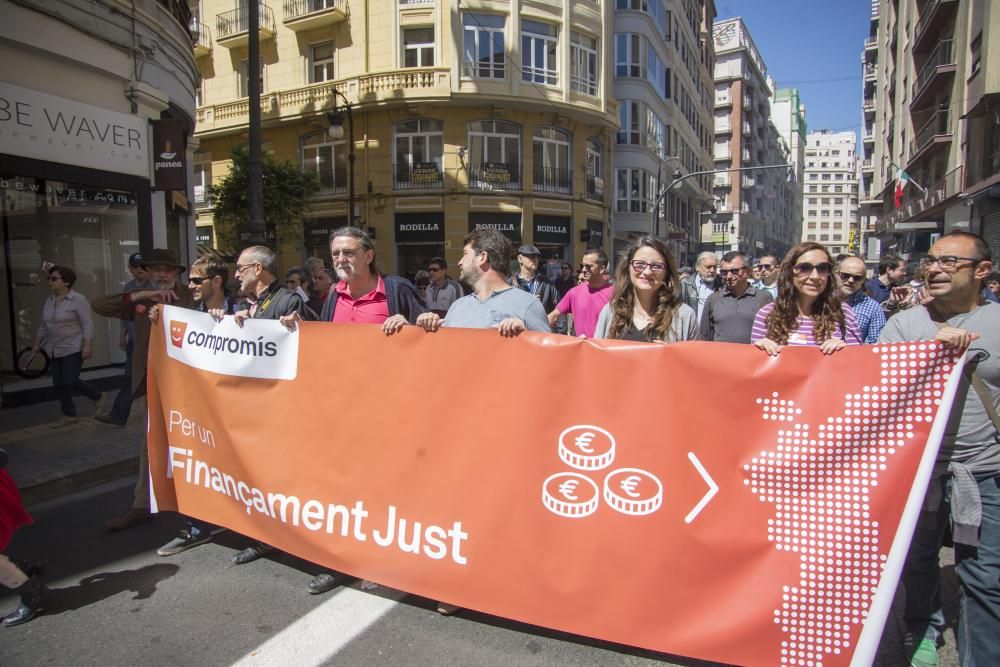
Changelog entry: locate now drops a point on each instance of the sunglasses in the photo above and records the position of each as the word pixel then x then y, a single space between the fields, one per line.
pixel 735 272
pixel 197 280
pixel 850 277
pixel 764 267
pixel 805 269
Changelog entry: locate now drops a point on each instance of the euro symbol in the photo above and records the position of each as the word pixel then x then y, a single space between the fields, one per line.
pixel 629 483
pixel 583 441
pixel 567 488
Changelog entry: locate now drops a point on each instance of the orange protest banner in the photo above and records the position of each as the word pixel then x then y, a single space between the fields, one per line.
pixel 699 499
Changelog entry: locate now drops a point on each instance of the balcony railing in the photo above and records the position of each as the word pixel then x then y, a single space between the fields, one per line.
pixel 495 176
pixel 942 55
pixel 950 186
pixel 867 165
pixel 297 8
pixel 722 154
pixel 595 187
pixel 747 102
pixel 723 100
pixel 871 43
pixel 870 72
pixel 749 182
pixel 747 129
pixel 869 107
pixel 722 181
pixel 938 124
pixel 418 176
pixel 200 196
pixel 200 36
pixel 722 125
pixel 232 23
pixel 868 138
pixel 331 182
pixel 875 10
pixel 549 179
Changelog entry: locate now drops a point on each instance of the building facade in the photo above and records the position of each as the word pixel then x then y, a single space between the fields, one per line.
pixel 85 89
pixel 663 65
pixel 499 116
pixel 788 114
pixel 755 209
pixel 830 200
pixel 934 105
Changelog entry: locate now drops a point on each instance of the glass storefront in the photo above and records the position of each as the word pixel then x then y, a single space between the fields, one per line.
pixel 419 238
pixel 92 230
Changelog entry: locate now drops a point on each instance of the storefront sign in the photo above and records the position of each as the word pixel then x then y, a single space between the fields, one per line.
pixel 425 173
pixel 787 541
pixel 317 230
pixel 205 236
pixel 595 229
pixel 508 224
pixel 46 127
pixel 169 163
pixel 552 229
pixel 420 227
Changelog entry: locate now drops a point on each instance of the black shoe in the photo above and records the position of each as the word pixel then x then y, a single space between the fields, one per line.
pixel 32 603
pixel 32 568
pixel 108 418
pixel 323 582
pixel 252 553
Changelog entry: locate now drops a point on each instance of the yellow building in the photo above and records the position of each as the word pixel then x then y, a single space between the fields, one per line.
pixel 466 114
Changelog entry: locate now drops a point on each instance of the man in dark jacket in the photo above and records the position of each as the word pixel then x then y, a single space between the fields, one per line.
pixel 531 281
pixel 134 306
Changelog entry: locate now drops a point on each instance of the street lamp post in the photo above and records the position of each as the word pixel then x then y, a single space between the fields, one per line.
pixel 255 176
pixel 656 206
pixel 336 118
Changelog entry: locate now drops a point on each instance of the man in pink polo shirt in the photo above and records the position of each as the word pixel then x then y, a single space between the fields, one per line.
pixel 586 300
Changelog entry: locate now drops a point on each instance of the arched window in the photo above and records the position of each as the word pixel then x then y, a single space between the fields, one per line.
pixel 550 148
pixel 418 155
pixel 494 155
pixel 327 159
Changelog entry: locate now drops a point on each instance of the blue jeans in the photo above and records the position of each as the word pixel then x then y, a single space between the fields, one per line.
pixel 123 400
pixel 66 378
pixel 978 570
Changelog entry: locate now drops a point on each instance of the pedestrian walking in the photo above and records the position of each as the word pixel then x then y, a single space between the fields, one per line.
pixel 809 310
pixel 121 407
pixel 730 311
pixel 66 333
pixel 871 317
pixel 646 306
pixel 964 491
pixel 21 577
pixel 585 301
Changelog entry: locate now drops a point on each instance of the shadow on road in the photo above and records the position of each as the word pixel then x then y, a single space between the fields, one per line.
pixel 96 587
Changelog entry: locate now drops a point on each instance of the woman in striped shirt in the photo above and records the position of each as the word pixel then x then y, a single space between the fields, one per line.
pixel 808 310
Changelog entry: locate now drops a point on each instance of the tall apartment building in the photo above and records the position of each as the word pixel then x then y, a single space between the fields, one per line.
pixel 497 114
pixel 788 114
pixel 932 95
pixel 830 201
pixel 754 209
pixel 663 79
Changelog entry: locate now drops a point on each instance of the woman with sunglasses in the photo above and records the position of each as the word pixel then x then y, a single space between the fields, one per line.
pixel 645 305
pixel 67 335
pixel 809 309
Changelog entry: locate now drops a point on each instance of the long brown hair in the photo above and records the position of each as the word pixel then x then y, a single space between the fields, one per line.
pixel 623 299
pixel 827 314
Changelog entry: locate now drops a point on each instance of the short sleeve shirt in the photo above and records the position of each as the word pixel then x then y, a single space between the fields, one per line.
pixel 370 308
pixel 585 304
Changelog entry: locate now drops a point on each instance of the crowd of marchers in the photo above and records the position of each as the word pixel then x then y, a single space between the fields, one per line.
pixel 806 298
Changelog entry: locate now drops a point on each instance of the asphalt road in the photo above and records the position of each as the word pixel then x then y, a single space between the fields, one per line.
pixel 114 601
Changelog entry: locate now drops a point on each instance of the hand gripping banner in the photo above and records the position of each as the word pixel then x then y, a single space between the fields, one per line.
pixel 699 499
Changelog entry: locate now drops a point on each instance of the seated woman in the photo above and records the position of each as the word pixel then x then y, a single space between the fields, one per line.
pixel 808 310
pixel 645 305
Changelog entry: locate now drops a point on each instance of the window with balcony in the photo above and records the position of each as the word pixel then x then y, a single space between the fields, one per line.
pixel 321 62
pixel 583 64
pixel 629 55
pixel 632 190
pixel 551 153
pixel 243 83
pixel 483 54
pixel 595 170
pixel 418 47
pixel 494 154
pixel 202 179
pixel 328 160
pixel 539 46
pixel 630 114
pixel 419 154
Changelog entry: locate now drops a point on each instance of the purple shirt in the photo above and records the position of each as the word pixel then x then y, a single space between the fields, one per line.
pixel 804 333
pixel 585 303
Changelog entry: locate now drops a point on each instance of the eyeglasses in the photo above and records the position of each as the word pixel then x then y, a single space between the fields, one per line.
pixel 737 271
pixel 639 266
pixel 805 269
pixel 241 269
pixel 850 277
pixel 197 280
pixel 946 262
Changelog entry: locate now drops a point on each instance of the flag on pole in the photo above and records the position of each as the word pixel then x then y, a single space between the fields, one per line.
pixel 902 178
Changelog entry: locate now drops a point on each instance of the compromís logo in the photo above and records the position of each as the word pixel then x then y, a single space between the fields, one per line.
pixel 177 330
pixel 216 343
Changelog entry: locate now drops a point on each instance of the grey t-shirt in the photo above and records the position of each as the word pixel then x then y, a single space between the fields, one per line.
pixel 683 327
pixel 471 313
pixel 969 431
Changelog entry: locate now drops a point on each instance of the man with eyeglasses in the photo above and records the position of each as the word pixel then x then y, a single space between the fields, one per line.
pixel 162 286
pixel 585 301
pixel 891 273
pixel 696 288
pixel 767 267
pixel 964 491
pixel 871 317
pixel 729 312
pixel 443 290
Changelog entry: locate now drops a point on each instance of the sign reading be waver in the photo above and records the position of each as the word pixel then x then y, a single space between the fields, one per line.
pixel 45 127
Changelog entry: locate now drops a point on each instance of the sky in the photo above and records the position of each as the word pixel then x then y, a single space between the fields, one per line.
pixel 812 45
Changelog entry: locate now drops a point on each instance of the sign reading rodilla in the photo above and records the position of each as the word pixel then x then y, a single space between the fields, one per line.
pixel 731 554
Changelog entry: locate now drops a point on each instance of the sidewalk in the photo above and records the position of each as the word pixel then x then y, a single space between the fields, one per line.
pixel 46 462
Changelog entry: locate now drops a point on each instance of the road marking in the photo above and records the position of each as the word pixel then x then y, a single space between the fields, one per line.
pixel 319 635
pixel 713 488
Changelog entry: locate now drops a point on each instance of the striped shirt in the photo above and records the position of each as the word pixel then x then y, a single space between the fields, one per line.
pixel 804 330
pixel 871 317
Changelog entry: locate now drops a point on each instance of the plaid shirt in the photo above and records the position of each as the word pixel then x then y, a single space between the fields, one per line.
pixel 871 317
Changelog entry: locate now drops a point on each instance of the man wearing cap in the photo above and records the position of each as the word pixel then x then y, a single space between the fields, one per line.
pixel 122 406
pixel 163 287
pixel 529 258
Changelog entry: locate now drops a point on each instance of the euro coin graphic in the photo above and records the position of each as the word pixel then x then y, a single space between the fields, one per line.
pixel 570 494
pixel 633 491
pixel 586 447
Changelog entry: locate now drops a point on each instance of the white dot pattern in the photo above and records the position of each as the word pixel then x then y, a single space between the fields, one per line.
pixel 820 481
